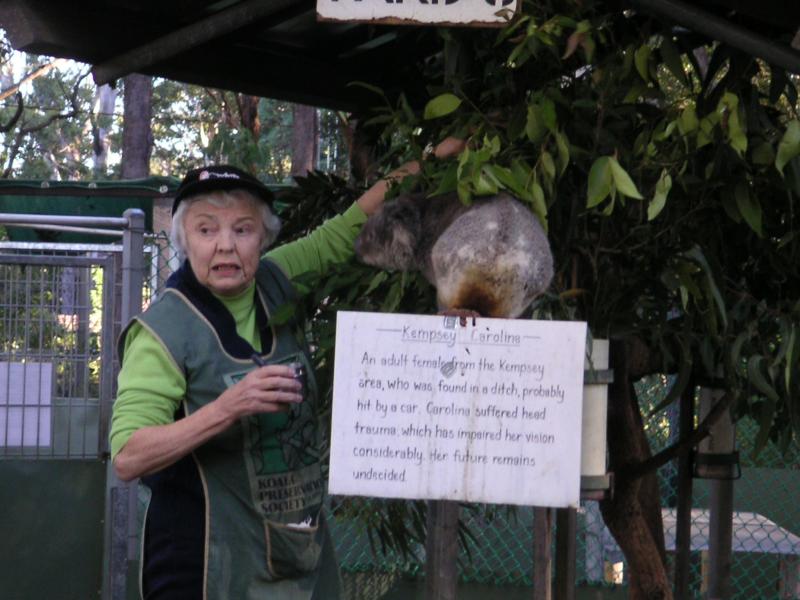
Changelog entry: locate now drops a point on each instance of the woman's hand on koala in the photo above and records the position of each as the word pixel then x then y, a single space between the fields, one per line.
pixel 449 146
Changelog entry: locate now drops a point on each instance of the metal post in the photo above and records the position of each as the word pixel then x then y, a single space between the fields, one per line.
pixel 441 550
pixel 133 276
pixel 133 271
pixel 542 558
pixel 121 511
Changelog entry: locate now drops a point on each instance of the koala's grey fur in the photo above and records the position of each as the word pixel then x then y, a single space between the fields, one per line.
pixel 492 257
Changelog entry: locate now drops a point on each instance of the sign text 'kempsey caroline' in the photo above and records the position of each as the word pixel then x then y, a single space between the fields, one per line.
pixel 426 408
pixel 444 12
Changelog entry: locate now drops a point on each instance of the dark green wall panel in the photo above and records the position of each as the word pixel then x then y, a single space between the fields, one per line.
pixel 51 529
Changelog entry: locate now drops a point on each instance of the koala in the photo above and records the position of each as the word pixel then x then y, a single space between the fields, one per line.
pixel 491 257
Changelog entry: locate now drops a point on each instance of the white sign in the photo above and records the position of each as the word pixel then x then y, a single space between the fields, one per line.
pixel 26 391
pixel 425 408
pixel 442 12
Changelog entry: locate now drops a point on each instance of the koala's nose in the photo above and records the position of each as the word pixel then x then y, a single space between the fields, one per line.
pixel 357 245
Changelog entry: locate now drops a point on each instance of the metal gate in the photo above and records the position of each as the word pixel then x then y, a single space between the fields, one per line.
pixel 61 308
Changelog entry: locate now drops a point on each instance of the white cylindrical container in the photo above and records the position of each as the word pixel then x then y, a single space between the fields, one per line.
pixel 595 409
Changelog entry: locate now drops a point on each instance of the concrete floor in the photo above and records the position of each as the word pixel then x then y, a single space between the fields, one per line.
pixel 415 590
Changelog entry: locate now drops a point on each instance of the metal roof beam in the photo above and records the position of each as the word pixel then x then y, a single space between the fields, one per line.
pixel 205 30
pixel 717 28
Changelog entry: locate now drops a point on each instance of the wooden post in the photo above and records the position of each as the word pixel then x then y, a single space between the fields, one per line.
pixel 720 526
pixel 441 550
pixel 789 583
pixel 722 440
pixel 542 559
pixel 566 531
pixel 683 513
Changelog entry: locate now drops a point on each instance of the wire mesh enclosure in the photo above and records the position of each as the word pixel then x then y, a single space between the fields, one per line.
pixel 57 322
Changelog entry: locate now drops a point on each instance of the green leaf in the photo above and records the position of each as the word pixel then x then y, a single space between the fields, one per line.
pixel 641 59
pixel 549 113
pixel 464 193
pixel 516 123
pixel 539 204
pixel 765 420
pixel 367 86
pixel 672 58
pixel 659 200
pixel 763 154
pixel 534 126
pixel 562 145
pixel 749 208
pixel 736 350
pixel 623 181
pixel 609 208
pixel 448 181
pixel 705 133
pixel 505 176
pixel 688 122
pixel 378 279
pixel 637 90
pixel 548 166
pixel 442 105
pixel 493 144
pixel 521 170
pixel 395 294
pixel 485 185
pixel 600 179
pixel 756 376
pixel 789 146
pixel 588 44
pixel 696 254
pixel 737 138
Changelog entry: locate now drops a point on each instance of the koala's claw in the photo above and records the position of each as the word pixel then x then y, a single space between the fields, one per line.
pixel 462 313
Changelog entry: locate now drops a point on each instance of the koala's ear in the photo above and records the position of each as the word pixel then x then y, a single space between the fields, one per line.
pixel 404 242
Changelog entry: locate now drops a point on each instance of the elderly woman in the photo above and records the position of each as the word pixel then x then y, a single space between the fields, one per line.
pixel 210 411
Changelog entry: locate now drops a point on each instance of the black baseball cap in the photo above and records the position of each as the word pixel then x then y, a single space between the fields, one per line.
pixel 219 177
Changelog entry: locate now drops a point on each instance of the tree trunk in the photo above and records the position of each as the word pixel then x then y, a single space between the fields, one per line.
pixel 104 101
pixel 305 133
pixel 137 136
pixel 633 513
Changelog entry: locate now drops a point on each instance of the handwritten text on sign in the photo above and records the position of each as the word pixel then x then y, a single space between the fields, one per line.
pixel 453 12
pixel 425 408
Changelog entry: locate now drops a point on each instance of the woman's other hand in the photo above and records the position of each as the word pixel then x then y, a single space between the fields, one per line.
pixel 372 200
pixel 268 389
pixel 449 146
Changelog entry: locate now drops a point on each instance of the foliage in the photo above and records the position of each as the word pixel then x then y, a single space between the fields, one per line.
pixel 667 171
pixel 42 135
pixel 50 127
pixel 666 168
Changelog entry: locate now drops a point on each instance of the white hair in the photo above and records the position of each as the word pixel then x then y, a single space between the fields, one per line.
pixel 223 199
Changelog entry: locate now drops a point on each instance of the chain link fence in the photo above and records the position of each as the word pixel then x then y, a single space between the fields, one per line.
pixel 499 548
pixel 52 327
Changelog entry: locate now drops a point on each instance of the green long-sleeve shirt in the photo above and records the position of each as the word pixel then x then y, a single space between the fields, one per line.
pixel 151 387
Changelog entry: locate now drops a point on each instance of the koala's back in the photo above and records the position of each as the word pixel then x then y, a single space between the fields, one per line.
pixel 494 258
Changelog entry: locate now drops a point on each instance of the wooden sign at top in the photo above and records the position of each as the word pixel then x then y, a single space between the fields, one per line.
pixel 467 13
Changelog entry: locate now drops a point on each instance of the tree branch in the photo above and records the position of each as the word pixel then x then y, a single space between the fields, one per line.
pixel 30 77
pixel 683 445
pixel 17 114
